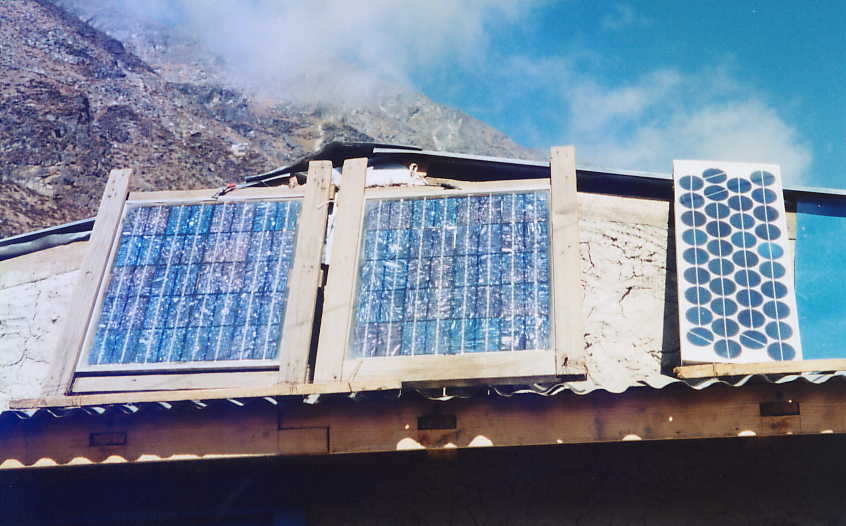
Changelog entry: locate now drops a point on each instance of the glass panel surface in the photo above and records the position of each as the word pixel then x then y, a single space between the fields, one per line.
pixel 198 283
pixel 453 275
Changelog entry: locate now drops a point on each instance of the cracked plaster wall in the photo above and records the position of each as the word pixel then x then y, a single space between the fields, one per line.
pixel 630 306
pixel 35 290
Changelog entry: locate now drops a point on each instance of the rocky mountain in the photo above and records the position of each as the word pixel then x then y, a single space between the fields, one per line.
pixel 80 96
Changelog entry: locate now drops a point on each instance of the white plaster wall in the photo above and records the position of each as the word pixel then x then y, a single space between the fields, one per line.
pixel 34 294
pixel 628 272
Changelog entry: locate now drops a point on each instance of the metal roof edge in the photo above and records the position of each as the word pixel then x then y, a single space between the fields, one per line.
pixel 23 243
pixel 655 383
pixel 588 168
pixel 45 238
pixel 81 225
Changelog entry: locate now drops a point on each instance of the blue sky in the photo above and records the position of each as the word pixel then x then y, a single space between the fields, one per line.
pixel 631 84
pixel 760 81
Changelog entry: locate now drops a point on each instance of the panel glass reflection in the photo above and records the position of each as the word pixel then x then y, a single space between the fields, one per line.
pixel 453 275
pixel 198 283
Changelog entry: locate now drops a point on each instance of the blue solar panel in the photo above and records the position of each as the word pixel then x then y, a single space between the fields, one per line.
pixel 453 275
pixel 736 297
pixel 198 283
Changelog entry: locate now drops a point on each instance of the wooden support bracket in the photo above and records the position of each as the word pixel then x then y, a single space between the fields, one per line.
pixel 716 370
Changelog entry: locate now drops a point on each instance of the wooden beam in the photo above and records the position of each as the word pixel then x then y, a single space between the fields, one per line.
pixel 340 289
pixel 85 295
pixel 710 370
pixel 567 290
pixel 340 425
pixel 178 395
pixel 305 275
pixel 456 187
pixel 207 195
pixel 485 367
pixel 169 382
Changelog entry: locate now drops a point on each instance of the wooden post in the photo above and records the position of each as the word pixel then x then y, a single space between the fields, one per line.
pixel 87 288
pixel 299 317
pixel 567 290
pixel 340 289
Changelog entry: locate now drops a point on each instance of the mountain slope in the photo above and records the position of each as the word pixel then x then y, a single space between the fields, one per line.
pixel 76 102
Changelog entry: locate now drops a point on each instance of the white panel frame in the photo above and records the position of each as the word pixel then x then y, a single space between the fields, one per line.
pixel 691 353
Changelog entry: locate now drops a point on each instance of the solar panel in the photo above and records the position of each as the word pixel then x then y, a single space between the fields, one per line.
pixel 736 297
pixel 453 275
pixel 197 283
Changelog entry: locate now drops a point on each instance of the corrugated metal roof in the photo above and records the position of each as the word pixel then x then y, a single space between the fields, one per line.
pixel 135 408
pixel 444 394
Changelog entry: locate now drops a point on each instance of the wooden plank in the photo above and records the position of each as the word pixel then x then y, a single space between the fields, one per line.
pixel 101 294
pixel 206 194
pixel 460 188
pixel 791 219
pixel 303 441
pixel 341 426
pixel 167 382
pixel 487 366
pixel 340 288
pixel 567 290
pixel 158 436
pixel 177 395
pixel 128 368
pixel 629 210
pixel 305 275
pixel 641 414
pixel 741 369
pixel 88 287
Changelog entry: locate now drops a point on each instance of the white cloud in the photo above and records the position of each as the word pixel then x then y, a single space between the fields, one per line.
pixel 664 115
pixel 741 130
pixel 596 107
pixel 624 16
pixel 345 48
pixel 668 115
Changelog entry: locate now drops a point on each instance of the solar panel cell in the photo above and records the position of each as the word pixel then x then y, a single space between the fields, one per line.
pixel 197 283
pixel 453 275
pixel 738 297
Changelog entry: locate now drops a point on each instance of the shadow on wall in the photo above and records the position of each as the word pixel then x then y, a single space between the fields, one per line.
pixel 670 344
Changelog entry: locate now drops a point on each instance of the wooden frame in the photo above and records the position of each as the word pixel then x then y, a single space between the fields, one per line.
pixel 339 426
pixel 713 370
pixel 565 356
pixel 71 375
